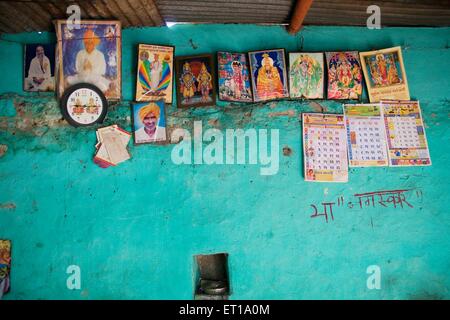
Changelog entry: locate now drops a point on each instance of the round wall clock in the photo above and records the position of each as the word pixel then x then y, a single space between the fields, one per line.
pixel 83 105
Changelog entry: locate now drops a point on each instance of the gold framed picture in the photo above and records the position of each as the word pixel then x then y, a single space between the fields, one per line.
pixel 90 54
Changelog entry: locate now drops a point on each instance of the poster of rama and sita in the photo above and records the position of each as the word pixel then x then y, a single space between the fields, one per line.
pixel 90 53
pixel 385 74
pixel 195 81
pixel 154 73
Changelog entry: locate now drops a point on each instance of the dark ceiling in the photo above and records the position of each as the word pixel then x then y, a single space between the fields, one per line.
pixel 36 15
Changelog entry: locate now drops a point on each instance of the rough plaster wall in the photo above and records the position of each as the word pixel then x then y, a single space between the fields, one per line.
pixel 134 229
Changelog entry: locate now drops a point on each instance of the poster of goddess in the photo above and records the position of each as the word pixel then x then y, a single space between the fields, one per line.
pixel 385 74
pixel 344 75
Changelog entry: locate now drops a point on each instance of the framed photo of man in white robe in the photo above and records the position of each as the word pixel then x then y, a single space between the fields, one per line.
pixel 39 67
pixel 90 54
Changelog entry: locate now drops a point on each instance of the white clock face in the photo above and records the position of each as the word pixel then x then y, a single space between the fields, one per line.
pixel 84 106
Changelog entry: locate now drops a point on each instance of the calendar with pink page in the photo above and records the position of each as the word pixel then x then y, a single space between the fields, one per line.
pixel 366 137
pixel 324 147
pixel 405 132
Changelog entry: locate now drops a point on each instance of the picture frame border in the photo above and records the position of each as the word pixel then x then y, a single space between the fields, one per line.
pixel 165 142
pixel 325 73
pixel 360 98
pixel 286 83
pixel 363 54
pixel 59 61
pixel 173 72
pixel 25 64
pixel 249 73
pixel 213 80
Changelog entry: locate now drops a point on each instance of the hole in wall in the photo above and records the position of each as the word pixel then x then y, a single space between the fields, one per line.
pixel 211 277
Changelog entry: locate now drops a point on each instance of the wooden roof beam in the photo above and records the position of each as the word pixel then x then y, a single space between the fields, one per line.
pixel 300 11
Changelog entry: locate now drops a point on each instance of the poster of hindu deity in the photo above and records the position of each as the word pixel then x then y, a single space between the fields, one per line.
pixel 344 75
pixel 306 75
pixel 234 79
pixel 5 266
pixel 385 75
pixel 154 73
pixel 195 81
pixel 90 54
pixel 405 132
pixel 268 73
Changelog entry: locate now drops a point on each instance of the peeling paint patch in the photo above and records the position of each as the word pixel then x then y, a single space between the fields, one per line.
pixel 3 149
pixel 8 206
pixel 317 106
pixel 287 151
pixel 289 113
pixel 213 122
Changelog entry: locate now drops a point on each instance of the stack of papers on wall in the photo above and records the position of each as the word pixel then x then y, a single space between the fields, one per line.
pixel 111 148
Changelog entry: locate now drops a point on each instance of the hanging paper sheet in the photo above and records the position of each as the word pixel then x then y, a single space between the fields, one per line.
pixel 366 138
pixel 407 142
pixel 324 148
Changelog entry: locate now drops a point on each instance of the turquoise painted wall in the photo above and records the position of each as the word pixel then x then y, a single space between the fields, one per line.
pixel 135 228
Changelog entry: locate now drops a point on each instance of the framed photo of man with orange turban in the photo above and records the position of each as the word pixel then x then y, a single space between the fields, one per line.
pixel 89 53
pixel 149 122
pixel 269 74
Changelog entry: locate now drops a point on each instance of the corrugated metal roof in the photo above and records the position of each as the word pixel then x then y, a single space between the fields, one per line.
pixel 36 15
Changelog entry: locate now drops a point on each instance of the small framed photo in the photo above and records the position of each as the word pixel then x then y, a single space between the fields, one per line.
pixel 234 77
pixel 39 67
pixel 344 75
pixel 195 81
pixel 268 74
pixel 306 74
pixel 90 54
pixel 154 73
pixel 149 122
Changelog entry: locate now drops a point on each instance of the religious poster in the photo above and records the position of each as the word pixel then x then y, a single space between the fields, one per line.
pixel 407 142
pixel 268 74
pixel 154 73
pixel 39 67
pixel 344 75
pixel 5 266
pixel 366 136
pixel 385 74
pixel 234 77
pixel 90 54
pixel 149 122
pixel 195 81
pixel 306 75
pixel 324 147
